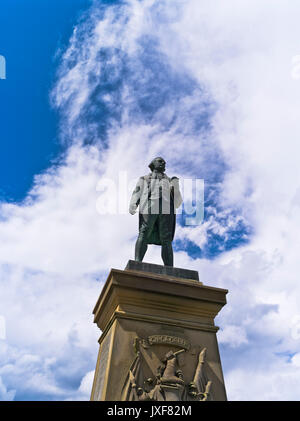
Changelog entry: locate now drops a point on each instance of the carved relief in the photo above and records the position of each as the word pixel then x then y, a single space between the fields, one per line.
pixel 167 381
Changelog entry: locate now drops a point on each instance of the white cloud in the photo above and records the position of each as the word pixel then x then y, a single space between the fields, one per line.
pixel 296 360
pixel 6 395
pixel 86 383
pixel 233 335
pixel 268 384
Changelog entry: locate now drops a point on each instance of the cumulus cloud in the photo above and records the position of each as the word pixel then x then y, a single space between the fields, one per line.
pixel 233 336
pixel 4 394
pixel 209 86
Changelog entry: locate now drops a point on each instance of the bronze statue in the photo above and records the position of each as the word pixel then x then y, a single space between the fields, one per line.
pixel 157 196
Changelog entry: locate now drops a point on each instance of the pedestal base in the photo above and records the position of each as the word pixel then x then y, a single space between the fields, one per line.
pixel 159 337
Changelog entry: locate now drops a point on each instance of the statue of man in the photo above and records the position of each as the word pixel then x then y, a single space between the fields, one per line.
pixel 157 196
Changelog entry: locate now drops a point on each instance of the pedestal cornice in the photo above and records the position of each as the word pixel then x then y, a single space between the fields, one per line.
pixel 158 299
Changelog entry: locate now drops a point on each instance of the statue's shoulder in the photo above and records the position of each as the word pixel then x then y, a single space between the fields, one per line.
pixel 146 177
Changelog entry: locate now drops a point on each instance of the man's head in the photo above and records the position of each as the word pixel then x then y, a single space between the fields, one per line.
pixel 158 164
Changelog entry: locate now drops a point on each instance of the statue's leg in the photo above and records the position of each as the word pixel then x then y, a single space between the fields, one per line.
pixel 141 244
pixel 140 248
pixel 167 253
pixel 166 240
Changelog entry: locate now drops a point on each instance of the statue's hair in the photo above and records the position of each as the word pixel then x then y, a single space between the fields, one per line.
pixel 151 165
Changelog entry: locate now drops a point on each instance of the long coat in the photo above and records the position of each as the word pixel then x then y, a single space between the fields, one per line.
pixel 142 197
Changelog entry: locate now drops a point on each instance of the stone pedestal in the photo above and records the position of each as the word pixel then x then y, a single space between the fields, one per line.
pixel 158 337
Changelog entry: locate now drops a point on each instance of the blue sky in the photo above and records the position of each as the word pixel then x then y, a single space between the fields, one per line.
pixel 128 80
pixel 31 32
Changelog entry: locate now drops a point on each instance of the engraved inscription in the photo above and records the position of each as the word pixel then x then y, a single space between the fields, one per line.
pixel 169 340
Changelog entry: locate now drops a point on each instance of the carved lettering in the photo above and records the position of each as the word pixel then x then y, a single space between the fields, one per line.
pixel 169 340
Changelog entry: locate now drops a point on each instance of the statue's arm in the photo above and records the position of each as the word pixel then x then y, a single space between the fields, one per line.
pixel 136 196
pixel 176 191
